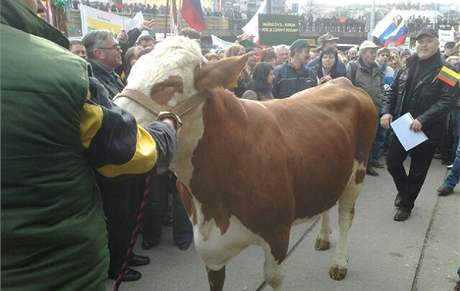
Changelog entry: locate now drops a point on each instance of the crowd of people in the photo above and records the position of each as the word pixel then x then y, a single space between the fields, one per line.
pixel 100 145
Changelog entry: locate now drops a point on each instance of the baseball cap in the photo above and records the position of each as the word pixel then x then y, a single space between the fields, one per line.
pixel 299 43
pixel 427 31
pixel 326 37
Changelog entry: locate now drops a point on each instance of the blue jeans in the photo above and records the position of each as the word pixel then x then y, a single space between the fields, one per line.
pixel 454 176
pixel 456 132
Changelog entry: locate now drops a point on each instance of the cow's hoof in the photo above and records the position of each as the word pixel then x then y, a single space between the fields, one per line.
pixel 337 273
pixel 322 245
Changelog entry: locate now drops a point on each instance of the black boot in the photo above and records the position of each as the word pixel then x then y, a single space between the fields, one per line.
pixel 370 171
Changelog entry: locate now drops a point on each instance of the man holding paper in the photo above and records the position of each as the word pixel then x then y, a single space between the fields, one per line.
pixel 426 90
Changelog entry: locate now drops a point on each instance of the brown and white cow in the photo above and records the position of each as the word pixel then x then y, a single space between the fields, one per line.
pixel 247 171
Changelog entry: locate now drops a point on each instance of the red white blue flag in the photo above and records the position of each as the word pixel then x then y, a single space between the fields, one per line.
pixel 391 30
pixel 193 13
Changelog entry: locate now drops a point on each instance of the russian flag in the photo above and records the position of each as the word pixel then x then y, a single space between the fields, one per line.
pixel 387 26
pixel 398 36
pixel 193 13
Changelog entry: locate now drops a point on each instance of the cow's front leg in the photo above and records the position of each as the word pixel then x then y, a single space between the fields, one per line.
pixel 275 253
pixel 216 279
pixel 322 241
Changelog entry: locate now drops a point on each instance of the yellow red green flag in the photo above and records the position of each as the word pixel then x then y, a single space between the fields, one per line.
pixel 448 76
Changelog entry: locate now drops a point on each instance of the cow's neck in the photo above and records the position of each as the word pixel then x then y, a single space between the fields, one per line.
pixel 194 127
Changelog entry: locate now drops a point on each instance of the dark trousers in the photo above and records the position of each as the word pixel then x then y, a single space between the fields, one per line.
pixel 163 186
pixel 121 199
pixel 409 185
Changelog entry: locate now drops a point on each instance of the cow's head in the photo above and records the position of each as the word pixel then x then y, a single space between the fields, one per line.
pixel 176 70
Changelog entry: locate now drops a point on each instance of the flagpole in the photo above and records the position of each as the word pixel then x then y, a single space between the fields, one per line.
pixel 372 21
pixel 166 17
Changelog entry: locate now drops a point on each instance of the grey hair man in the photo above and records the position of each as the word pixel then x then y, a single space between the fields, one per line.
pixel 282 53
pixel 365 73
pixel 104 55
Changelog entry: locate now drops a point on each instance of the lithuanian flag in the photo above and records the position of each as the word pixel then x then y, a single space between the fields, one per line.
pixel 448 76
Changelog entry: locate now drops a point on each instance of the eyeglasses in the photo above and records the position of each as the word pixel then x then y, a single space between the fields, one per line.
pixel 114 47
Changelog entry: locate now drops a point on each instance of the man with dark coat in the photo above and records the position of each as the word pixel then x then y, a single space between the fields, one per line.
pixel 121 196
pixel 418 90
pixel 292 76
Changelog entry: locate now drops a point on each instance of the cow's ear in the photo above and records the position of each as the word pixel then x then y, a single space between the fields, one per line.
pixel 163 91
pixel 223 73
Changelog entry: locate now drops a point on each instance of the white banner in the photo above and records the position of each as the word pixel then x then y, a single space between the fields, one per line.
pixel 445 36
pixel 92 19
pixel 220 42
pixel 252 27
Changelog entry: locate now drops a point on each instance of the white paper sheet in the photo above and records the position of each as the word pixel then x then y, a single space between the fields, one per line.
pixel 408 138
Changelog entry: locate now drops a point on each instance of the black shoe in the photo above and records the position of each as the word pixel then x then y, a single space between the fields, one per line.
pixel 445 190
pixel 137 260
pixel 402 214
pixel 148 244
pixel 370 171
pixel 184 245
pixel 378 165
pixel 398 200
pixel 128 275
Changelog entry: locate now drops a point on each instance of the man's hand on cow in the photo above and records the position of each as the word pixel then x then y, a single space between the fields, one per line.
pixel 170 121
pixel 416 125
pixel 385 120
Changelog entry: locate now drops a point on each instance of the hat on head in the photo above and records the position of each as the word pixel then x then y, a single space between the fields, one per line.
pixel 367 44
pixel 426 32
pixel 326 37
pixel 145 35
pixel 449 44
pixel 299 43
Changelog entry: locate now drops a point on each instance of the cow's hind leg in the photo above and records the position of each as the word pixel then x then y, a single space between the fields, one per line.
pixel 216 279
pixel 347 201
pixel 322 241
pixel 275 253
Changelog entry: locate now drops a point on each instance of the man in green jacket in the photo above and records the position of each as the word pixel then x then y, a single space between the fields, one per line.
pixel 53 139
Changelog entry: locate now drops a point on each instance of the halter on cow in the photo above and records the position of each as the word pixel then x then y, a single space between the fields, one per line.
pixel 247 171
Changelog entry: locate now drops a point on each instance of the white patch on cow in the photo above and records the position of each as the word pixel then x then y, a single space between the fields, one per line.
pixel 346 209
pixel 217 249
pixel 142 115
pixel 175 56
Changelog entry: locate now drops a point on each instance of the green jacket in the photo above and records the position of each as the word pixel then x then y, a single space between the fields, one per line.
pixel 52 138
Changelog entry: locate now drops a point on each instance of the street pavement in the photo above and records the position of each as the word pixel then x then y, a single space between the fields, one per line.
pixel 421 254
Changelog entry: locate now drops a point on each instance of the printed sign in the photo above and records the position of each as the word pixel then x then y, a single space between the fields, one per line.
pixel 278 29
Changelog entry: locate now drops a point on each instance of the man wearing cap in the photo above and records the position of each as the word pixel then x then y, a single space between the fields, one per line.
pixel 417 90
pixel 292 76
pixel 449 49
pixel 146 40
pixel 366 74
pixel 325 41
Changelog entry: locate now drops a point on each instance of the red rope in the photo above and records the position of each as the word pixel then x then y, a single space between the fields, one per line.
pixel 135 232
